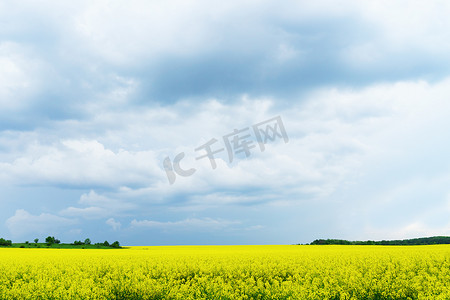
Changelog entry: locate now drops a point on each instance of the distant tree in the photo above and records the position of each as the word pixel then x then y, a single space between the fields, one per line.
pixel 105 243
pixel 27 242
pixel 78 243
pixel 115 244
pixel 50 240
pixel 417 241
pixel 4 242
pixel 36 240
pixel 87 241
pixel 57 241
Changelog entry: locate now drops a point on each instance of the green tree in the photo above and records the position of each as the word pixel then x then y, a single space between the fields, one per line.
pixel 87 241
pixel 50 240
pixel 4 242
pixel 36 240
pixel 115 244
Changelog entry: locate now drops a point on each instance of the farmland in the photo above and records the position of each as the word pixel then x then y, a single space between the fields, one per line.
pixel 227 272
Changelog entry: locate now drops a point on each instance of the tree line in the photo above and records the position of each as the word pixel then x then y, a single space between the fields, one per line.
pixel 50 240
pixel 4 242
pixel 435 240
pixel 115 244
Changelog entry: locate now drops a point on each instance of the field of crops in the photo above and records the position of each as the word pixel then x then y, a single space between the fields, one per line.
pixel 228 272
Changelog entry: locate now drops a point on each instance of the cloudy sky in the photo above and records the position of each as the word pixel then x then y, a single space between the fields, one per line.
pixel 96 95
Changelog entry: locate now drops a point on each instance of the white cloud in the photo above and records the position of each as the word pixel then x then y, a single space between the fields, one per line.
pixel 91 212
pixel 410 24
pixel 187 224
pixel 334 137
pixel 98 206
pixel 81 163
pixel 114 224
pixel 25 224
pixel 18 77
pixel 410 230
pixel 362 146
pixel 142 30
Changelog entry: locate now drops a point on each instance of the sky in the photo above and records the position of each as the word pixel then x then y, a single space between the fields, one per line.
pixel 107 110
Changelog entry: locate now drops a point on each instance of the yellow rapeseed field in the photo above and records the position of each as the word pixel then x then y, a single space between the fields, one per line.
pixel 228 272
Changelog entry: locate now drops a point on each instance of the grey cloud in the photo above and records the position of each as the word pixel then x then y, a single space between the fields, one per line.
pixel 274 50
pixel 95 99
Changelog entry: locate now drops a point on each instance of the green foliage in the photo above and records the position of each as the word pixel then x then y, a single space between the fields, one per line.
pixel 418 241
pixel 115 245
pixel 4 242
pixel 50 240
